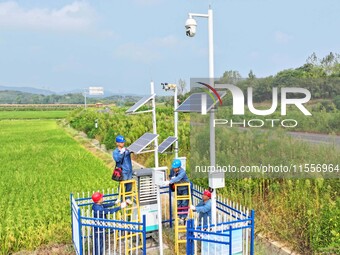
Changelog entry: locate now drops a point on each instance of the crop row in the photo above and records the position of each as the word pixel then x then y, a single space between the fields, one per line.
pixel 39 107
pixel 47 114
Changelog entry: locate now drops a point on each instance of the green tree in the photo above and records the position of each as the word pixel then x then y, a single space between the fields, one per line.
pixel 330 63
pixel 251 75
pixel 231 77
pixel 181 87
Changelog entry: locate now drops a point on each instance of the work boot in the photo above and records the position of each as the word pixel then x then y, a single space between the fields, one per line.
pixel 181 221
pixel 129 202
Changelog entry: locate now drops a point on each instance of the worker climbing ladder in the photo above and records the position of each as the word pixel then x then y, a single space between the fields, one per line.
pixel 180 229
pixel 130 213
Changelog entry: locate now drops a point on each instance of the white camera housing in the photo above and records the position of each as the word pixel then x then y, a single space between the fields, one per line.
pixel 190 27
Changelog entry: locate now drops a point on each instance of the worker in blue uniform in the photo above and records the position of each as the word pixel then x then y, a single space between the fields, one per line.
pixel 178 175
pixel 122 156
pixel 101 210
pixel 204 209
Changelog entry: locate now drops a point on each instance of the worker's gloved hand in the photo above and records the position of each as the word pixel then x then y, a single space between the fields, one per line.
pixel 122 150
pixel 123 205
pixel 117 201
pixel 166 183
pixel 192 207
pixel 128 202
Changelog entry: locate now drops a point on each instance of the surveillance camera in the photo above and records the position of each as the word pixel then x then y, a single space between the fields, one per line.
pixel 172 86
pixel 190 27
pixel 165 86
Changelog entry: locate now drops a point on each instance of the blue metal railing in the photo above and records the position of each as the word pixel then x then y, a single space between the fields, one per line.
pixel 220 237
pixel 81 222
pixel 234 218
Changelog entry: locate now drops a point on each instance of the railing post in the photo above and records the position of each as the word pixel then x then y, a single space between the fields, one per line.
pixel 170 207
pixel 71 196
pixel 231 239
pixel 252 233
pixel 191 189
pixel 144 234
pixel 80 234
pixel 189 247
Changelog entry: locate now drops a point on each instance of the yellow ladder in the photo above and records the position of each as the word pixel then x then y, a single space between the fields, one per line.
pixel 181 229
pixel 130 213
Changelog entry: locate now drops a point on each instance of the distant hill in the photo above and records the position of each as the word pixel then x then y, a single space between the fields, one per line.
pixel 19 97
pixel 107 93
pixel 28 90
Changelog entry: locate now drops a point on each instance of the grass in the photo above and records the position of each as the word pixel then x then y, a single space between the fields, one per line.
pixel 40 166
pixel 306 207
pixel 33 114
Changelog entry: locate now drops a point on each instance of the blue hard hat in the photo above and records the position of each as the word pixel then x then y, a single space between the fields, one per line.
pixel 176 163
pixel 120 139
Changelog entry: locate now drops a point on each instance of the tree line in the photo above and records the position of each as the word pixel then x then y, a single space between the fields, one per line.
pixel 18 97
pixel 321 76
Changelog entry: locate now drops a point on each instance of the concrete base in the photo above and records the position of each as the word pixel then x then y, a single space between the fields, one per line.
pixel 266 246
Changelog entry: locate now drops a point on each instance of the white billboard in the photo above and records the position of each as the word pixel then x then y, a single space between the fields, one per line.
pixel 95 91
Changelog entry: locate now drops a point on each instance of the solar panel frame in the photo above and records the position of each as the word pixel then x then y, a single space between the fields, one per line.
pixel 139 104
pixel 142 142
pixel 166 144
pixel 194 102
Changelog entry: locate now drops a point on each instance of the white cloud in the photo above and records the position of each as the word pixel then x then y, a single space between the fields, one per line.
pixel 75 16
pixel 283 38
pixel 169 41
pixel 106 34
pixel 137 52
pixel 149 51
pixel 148 2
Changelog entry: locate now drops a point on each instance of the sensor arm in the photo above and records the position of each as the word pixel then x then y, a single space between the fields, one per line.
pixel 198 15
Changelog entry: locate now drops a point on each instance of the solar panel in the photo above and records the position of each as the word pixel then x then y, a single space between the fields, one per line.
pixel 142 142
pixel 166 144
pixel 194 102
pixel 139 104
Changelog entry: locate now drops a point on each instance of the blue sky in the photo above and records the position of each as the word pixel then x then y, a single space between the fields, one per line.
pixel 122 45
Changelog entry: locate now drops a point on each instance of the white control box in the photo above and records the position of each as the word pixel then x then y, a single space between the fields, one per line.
pixel 216 180
pixel 158 175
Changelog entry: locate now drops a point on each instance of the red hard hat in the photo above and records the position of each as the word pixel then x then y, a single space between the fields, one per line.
pixel 97 196
pixel 207 193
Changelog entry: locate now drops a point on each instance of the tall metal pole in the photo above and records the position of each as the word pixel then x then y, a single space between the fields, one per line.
pixel 154 123
pixel 160 227
pixel 85 98
pixel 159 202
pixel 212 113
pixel 176 122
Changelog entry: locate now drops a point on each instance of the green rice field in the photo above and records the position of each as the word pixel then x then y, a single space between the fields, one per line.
pixel 40 166
pixel 33 114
